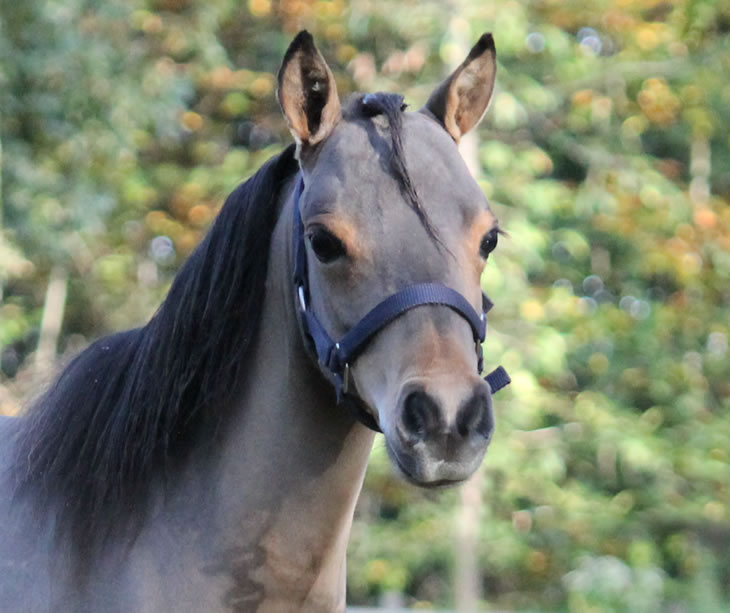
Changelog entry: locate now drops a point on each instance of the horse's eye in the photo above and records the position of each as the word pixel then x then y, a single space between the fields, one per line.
pixel 489 242
pixel 326 246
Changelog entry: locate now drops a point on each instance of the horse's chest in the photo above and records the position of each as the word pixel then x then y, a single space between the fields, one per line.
pixel 268 580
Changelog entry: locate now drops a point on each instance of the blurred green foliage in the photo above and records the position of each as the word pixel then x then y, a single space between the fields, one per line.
pixel 606 156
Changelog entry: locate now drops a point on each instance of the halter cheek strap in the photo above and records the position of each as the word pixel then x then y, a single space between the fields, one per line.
pixel 335 357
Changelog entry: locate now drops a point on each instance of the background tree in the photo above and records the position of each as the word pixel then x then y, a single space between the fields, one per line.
pixel 605 155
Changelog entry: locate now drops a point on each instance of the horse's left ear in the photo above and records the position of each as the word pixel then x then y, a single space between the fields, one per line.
pixel 307 92
pixel 460 102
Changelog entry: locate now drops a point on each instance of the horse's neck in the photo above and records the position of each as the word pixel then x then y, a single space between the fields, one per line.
pixel 291 464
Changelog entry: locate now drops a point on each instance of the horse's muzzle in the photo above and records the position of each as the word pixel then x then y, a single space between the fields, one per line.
pixel 441 433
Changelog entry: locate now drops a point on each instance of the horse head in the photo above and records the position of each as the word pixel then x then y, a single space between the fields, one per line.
pixel 386 203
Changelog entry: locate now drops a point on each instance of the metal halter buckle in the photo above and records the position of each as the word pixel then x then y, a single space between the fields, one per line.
pixel 345 373
pixel 346 378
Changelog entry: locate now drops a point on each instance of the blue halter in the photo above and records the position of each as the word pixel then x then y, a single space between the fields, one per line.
pixel 334 358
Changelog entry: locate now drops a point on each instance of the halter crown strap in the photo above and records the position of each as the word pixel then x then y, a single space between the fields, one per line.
pixel 334 357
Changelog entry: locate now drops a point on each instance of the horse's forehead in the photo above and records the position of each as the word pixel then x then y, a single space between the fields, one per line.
pixel 359 151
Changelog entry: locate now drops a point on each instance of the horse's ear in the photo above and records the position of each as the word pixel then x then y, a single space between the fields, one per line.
pixel 460 102
pixel 307 92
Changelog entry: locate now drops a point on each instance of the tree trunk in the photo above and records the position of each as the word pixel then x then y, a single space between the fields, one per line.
pixel 53 308
pixel 467 576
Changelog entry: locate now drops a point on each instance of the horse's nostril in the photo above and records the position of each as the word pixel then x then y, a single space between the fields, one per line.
pixel 420 414
pixel 475 416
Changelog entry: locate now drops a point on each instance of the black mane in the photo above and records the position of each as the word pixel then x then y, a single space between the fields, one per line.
pixel 134 404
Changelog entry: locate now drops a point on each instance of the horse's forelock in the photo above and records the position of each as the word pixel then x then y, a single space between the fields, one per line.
pixel 392 106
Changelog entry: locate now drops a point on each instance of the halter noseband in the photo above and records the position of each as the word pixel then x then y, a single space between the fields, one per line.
pixel 334 358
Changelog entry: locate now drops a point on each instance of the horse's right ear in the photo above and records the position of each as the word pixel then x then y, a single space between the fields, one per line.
pixel 307 92
pixel 460 102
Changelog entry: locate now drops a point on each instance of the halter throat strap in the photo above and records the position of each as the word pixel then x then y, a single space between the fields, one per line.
pixel 335 357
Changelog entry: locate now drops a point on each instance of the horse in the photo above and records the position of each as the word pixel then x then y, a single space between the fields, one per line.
pixel 211 459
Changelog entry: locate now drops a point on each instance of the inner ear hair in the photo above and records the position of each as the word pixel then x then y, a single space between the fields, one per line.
pixel 307 92
pixel 460 102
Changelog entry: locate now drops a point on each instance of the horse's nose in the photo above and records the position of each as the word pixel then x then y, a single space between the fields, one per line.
pixel 421 415
pixel 475 414
pixel 426 416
